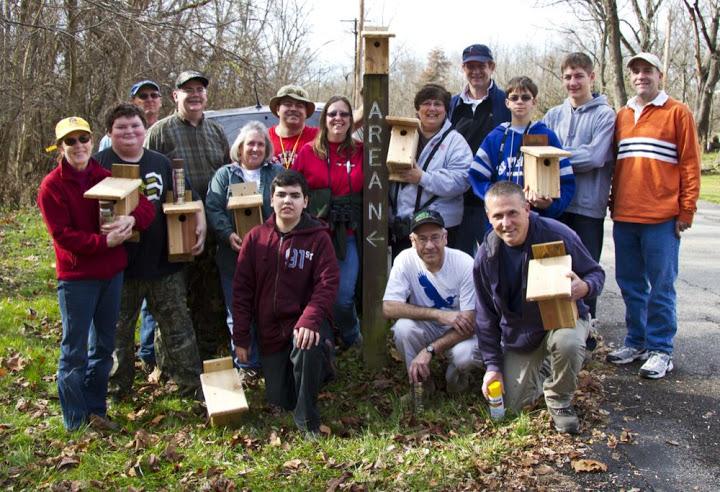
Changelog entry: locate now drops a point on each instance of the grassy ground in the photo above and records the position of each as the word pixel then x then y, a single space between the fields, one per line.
pixel 371 441
pixel 710 188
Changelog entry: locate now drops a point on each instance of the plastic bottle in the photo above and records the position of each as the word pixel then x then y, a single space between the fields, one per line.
pixel 417 392
pixel 495 401
pixel 178 174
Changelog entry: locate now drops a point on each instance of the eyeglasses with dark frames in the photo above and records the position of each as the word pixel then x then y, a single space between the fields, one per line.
pixel 521 97
pixel 70 141
pixel 145 95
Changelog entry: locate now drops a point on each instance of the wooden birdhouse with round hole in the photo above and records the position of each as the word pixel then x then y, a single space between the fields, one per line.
pixel 118 195
pixel 404 137
pixel 181 225
pixel 377 49
pixel 541 169
pixel 246 205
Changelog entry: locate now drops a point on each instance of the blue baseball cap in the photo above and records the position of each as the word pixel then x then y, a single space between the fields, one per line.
pixel 478 53
pixel 139 85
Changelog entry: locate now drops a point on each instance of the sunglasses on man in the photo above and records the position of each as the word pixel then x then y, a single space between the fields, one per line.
pixel 145 95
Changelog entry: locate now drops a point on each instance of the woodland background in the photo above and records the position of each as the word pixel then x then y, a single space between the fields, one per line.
pixel 78 57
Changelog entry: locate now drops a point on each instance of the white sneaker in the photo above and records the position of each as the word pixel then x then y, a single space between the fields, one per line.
pixel 656 366
pixel 625 355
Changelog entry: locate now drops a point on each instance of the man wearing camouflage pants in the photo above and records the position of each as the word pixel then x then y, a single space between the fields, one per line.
pixel 149 274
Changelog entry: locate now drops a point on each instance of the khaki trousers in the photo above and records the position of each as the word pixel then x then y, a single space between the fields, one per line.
pixel 551 369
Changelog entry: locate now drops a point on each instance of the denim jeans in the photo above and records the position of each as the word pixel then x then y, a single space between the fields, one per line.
pixel 226 279
pixel 344 310
pixel 89 310
pixel 147 335
pixel 646 264
pixel 591 231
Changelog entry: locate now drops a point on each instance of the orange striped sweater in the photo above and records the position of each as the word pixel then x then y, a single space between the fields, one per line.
pixel 657 174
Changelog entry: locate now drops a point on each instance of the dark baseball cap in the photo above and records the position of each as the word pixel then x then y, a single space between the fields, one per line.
pixel 426 217
pixel 188 75
pixel 139 85
pixel 478 53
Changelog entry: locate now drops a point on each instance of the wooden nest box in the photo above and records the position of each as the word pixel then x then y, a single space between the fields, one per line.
pixel 549 285
pixel 541 169
pixel 404 137
pixel 377 49
pixel 181 225
pixel 224 395
pixel 122 190
pixel 246 204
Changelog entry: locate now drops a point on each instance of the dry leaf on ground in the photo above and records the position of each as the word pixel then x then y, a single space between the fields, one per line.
pixel 589 466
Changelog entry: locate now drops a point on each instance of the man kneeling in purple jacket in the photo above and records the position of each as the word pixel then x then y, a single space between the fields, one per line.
pixel 286 281
pixel 511 337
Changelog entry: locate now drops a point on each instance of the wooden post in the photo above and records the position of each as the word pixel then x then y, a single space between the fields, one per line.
pixel 375 197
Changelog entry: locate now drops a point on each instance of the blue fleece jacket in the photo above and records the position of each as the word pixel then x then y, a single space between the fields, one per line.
pixel 587 132
pixel 491 165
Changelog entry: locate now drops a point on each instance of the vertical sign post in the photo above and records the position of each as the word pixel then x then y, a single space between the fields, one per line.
pixel 375 197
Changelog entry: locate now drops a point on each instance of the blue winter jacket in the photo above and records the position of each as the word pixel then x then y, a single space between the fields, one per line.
pixel 489 166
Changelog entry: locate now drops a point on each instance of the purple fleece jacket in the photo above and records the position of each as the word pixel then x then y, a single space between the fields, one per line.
pixel 498 328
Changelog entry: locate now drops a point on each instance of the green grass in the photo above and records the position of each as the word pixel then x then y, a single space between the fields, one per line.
pixel 168 444
pixel 710 188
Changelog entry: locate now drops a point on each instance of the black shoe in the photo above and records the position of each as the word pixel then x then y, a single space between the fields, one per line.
pixel 565 419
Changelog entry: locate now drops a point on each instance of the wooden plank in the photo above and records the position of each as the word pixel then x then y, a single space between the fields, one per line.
pixel 129 171
pixel 544 151
pixel 375 218
pixel 221 364
pixel 224 396
pixel 243 189
pixel 182 208
pixel 547 278
pixel 558 313
pixel 245 201
pixel 546 250
pixel 113 188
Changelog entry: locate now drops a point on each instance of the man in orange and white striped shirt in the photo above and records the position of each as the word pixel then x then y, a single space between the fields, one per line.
pixel 655 188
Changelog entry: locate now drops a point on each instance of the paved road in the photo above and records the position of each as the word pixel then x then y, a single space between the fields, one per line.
pixel 675 422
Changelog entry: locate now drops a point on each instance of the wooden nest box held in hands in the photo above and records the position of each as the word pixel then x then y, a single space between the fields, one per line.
pixel 404 137
pixel 224 395
pixel 246 204
pixel 121 192
pixel 541 169
pixel 549 285
pixel 181 225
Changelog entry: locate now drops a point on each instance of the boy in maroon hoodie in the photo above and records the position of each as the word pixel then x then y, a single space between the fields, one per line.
pixel 286 281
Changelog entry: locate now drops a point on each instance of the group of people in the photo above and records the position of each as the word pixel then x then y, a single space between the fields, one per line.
pixel 289 285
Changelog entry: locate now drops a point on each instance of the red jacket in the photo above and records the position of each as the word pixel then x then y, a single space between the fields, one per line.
pixel 341 179
pixel 73 221
pixel 283 282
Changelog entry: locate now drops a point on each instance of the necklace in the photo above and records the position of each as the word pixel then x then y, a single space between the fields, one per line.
pixel 289 159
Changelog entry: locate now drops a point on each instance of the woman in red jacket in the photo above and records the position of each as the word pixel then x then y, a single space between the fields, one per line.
pixel 90 261
pixel 333 168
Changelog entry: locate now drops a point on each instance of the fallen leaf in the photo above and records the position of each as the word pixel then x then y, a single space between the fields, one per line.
pixel 293 464
pixel 171 453
pixel 16 363
pixel 588 466
pixel 673 443
pixel 67 462
pixel 154 462
pixel 626 436
pixel 274 439
pixel 157 419
pixel 544 470
pixel 325 429
pixel 335 483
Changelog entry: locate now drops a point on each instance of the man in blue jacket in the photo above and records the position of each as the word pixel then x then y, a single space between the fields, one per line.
pixel 474 112
pixel 511 338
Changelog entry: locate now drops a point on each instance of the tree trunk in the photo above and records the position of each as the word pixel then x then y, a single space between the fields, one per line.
pixel 614 39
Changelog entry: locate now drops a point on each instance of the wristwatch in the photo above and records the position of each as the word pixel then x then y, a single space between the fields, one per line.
pixel 430 350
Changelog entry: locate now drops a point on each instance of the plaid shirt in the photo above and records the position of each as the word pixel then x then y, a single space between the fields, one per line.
pixel 204 148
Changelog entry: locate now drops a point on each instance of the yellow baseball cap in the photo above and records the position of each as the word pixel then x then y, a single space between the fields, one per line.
pixel 69 125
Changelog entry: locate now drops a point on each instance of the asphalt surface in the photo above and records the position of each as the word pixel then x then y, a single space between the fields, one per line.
pixel 673 424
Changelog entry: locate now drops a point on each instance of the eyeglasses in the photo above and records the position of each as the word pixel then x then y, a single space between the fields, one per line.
pixel 519 97
pixel 341 114
pixel 435 239
pixel 151 95
pixel 70 141
pixel 196 90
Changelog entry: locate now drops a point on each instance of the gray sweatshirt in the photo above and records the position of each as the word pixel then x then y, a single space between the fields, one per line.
pixel 587 132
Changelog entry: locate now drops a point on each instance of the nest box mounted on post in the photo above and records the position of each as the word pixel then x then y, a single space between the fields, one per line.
pixel 549 285
pixel 541 169
pixel 246 204
pixel 404 137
